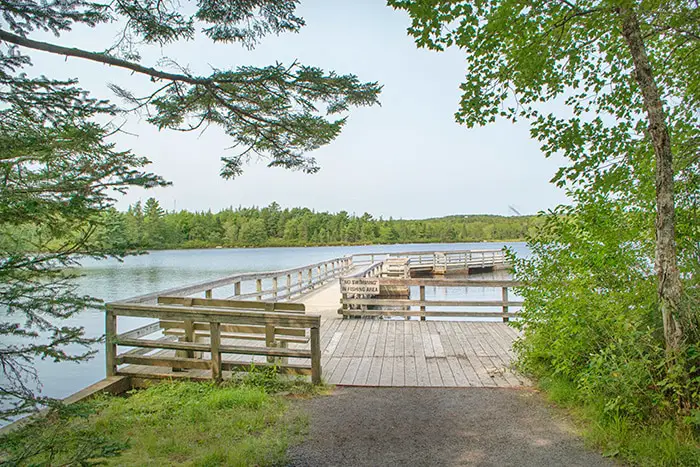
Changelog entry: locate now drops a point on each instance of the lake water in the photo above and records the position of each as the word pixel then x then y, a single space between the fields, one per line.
pixel 112 280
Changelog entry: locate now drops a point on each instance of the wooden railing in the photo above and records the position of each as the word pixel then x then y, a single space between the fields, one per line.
pixel 272 285
pixel 198 328
pixel 452 260
pixel 366 305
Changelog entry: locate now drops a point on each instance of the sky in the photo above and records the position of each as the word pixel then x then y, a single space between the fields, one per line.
pixel 404 159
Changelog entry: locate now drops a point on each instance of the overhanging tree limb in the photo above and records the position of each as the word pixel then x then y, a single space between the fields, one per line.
pixel 98 57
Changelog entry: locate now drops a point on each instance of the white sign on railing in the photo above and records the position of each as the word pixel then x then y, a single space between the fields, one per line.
pixel 360 285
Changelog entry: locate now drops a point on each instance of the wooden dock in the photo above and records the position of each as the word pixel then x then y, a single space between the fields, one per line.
pixel 293 323
pixel 380 352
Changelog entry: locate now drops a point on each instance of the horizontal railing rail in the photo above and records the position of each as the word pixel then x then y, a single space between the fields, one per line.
pixel 368 304
pixel 273 285
pixel 455 259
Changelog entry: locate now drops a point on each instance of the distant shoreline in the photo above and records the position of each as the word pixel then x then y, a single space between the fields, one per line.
pixel 320 245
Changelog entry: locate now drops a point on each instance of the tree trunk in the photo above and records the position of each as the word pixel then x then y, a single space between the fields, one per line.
pixel 666 265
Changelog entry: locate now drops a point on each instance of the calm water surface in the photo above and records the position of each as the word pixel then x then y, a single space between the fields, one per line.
pixel 112 280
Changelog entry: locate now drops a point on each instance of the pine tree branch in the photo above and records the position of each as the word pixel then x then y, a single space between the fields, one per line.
pixel 100 58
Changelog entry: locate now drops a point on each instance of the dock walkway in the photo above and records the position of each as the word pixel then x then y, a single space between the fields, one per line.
pixel 377 352
pixel 358 325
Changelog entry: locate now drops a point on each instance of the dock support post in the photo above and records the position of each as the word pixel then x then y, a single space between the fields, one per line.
pixel 111 349
pixel 215 342
pixel 315 355
pixel 422 299
pixel 504 295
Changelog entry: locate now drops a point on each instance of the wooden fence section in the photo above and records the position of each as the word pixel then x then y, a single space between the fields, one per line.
pixel 367 304
pixel 439 261
pixel 203 337
pixel 272 285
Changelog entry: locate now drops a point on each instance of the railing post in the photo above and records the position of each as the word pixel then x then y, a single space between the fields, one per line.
pixel 270 339
pixel 258 288
pixel 111 347
pixel 315 355
pixel 215 344
pixel 208 293
pixel 325 271
pixel 504 295
pixel 289 285
pixel 274 287
pixel 237 288
pixel 311 278
pixel 422 299
pixel 301 283
pixel 189 336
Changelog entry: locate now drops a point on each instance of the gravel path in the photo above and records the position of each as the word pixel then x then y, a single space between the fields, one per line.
pixel 432 426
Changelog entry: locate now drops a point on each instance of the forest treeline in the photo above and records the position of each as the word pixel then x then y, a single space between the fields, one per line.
pixel 148 226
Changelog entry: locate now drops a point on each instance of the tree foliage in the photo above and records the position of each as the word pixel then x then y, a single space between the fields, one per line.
pixel 613 86
pixel 279 112
pixel 60 172
pixel 58 176
pixel 152 228
pixel 622 78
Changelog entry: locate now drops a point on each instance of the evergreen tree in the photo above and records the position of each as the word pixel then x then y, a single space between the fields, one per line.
pixel 60 170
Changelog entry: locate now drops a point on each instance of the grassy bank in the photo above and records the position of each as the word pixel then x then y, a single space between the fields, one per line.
pixel 183 423
pixel 666 443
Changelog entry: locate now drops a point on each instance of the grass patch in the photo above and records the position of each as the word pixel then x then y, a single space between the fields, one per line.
pixel 172 423
pixel 666 443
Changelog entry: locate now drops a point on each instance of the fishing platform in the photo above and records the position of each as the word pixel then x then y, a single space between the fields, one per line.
pixel 368 319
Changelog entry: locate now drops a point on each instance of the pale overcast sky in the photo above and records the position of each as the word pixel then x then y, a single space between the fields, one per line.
pixel 405 159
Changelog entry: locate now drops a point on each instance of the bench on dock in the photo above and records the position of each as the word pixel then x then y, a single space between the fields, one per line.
pixel 201 331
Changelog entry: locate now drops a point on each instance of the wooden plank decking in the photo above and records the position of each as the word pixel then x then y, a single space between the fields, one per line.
pixel 378 352
pixel 366 352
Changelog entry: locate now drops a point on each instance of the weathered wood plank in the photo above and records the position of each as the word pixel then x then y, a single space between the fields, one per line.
pixel 435 339
pixel 333 344
pixel 372 339
pixel 434 372
pixel 351 371
pixel 398 377
pixel 387 371
pixel 426 341
pixel 363 371
pixel 289 307
pixel 381 340
pixel 375 371
pixel 339 370
pixel 440 303
pixel 459 377
pixel 345 339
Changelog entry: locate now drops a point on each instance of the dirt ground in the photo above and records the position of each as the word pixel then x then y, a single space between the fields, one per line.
pixel 434 426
